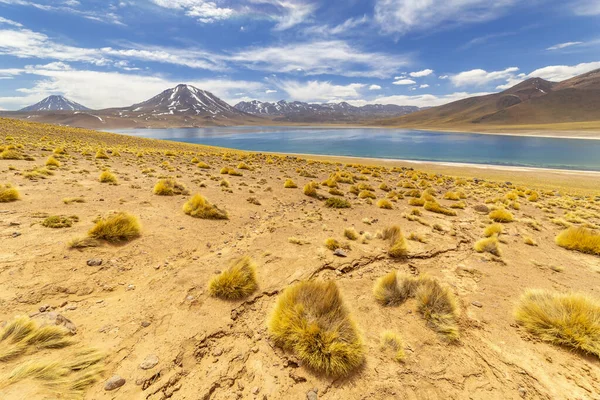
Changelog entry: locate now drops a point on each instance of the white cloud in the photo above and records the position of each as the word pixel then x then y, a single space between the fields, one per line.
pixel 317 91
pixel 402 16
pixel 270 91
pixel 404 82
pixel 563 45
pixel 557 73
pixel 347 26
pixel 7 21
pixel 374 87
pixel 424 100
pixel 98 13
pixel 112 89
pixel 480 77
pixel 204 11
pixel 424 86
pixel 420 74
pixel 320 57
pixel 444 77
pixel 586 7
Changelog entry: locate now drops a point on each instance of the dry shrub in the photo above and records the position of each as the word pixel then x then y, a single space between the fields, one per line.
pixel 398 246
pixel 310 189
pixel 59 221
pixel 435 207
pixel 332 244
pixel 570 319
pixel 289 184
pixel 385 204
pixel 237 282
pixel 489 245
pixel 436 303
pixel 119 227
pixel 501 215
pixel 530 241
pixel 199 207
pixel 82 243
pixel 351 234
pixel 366 194
pixel 101 154
pixel 169 187
pixel 8 193
pixel 52 162
pixel 580 239
pixel 493 230
pixel 311 319
pixel 107 177
pixel 392 341
pixel 336 202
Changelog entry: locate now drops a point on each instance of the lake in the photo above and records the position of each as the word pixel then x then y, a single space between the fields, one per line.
pixel 401 144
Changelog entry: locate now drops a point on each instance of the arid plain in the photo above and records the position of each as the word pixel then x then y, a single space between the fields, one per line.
pixel 145 311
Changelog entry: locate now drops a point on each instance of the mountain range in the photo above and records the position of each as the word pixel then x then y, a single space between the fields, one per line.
pixel 573 104
pixel 534 103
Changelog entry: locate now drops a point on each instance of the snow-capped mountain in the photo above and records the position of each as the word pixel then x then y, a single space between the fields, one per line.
pixel 185 100
pixel 299 110
pixel 55 103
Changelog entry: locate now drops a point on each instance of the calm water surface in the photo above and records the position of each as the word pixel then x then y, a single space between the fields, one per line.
pixel 401 144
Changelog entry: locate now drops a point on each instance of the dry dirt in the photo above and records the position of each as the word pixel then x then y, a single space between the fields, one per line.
pixel 213 349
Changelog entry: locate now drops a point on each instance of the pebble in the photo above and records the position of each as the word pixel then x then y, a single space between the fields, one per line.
pixel 130 287
pixel 149 362
pixel 94 262
pixel 477 304
pixel 312 394
pixel 45 308
pixel 71 307
pixel 339 253
pixel 255 390
pixel 145 324
pixel 522 392
pixel 16 234
pixel 114 382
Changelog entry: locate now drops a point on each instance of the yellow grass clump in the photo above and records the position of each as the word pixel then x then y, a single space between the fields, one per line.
pixel 350 233
pixel 169 187
pixel 199 207
pixel 52 162
pixel 8 193
pixel 489 245
pixel 311 320
pixel 392 341
pixel 336 202
pixel 332 244
pixel 436 303
pixel 435 207
pixel 569 319
pixel 119 227
pixel 580 239
pixel 385 204
pixel 310 189
pixel 530 241
pixel 107 177
pixel 101 154
pixel 237 282
pixel 58 221
pixel 289 184
pixel 501 215
pixel 493 230
pixel 398 245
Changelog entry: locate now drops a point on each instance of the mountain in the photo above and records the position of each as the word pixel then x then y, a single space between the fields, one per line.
pixel 305 112
pixel 55 103
pixel 185 100
pixel 534 101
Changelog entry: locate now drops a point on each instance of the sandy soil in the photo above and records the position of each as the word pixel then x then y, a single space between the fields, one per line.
pixel 149 296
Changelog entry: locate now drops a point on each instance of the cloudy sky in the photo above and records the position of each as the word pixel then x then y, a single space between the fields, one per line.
pixel 109 53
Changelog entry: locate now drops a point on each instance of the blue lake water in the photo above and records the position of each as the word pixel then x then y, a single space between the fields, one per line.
pixel 578 154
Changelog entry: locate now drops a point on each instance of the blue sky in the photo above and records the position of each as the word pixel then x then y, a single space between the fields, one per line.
pixel 109 53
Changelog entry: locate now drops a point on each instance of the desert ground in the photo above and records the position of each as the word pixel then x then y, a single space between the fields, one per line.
pixel 148 305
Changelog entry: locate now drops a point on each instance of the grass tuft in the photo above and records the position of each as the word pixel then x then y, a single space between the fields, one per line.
pixel 580 239
pixel 398 245
pixel 501 215
pixel 570 319
pixel 489 245
pixel 435 207
pixel 199 207
pixel 493 230
pixel 385 204
pixel 108 177
pixel 237 282
pixel 119 227
pixel 392 341
pixel 169 187
pixel 8 193
pixel 336 202
pixel 311 319
pixel 289 184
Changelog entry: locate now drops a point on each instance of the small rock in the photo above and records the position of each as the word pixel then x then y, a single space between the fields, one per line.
pixel 255 390
pixel 130 287
pixel 149 362
pixel 217 352
pixel 94 262
pixel 14 224
pixel 16 234
pixel 114 382
pixel 340 253
pixel 522 392
pixel 145 324
pixel 71 307
pixel 482 208
pixel 312 394
pixel 45 308
pixel 477 304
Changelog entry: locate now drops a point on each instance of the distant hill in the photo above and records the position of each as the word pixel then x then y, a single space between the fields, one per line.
pixel 329 112
pixel 55 103
pixel 534 101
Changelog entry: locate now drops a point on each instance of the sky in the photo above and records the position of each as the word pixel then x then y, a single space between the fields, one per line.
pixel 111 53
